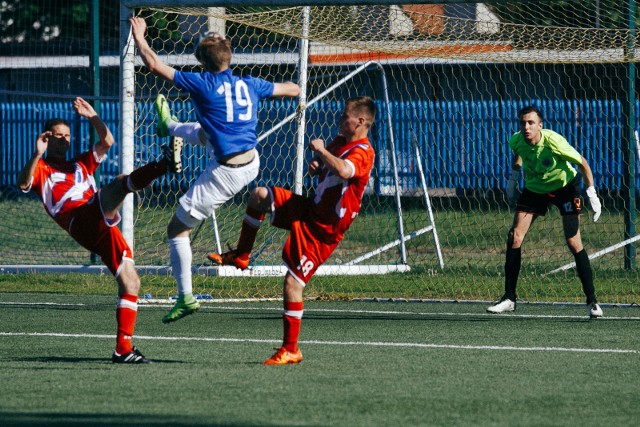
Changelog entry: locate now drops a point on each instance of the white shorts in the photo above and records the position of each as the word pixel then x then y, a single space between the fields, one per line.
pixel 216 185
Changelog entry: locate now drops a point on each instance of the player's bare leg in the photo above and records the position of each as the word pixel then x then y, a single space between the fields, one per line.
pixel 259 203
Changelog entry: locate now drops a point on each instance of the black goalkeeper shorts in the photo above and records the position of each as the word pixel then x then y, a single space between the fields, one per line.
pixel 567 199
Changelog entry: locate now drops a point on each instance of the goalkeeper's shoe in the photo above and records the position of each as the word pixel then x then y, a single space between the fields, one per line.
pixel 594 310
pixel 164 116
pixel 173 154
pixel 284 357
pixel 503 306
pixel 229 258
pixel 133 357
pixel 184 306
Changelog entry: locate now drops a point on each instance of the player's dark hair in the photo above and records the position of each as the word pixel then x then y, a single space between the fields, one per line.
pixel 363 105
pixel 214 53
pixel 530 109
pixel 49 124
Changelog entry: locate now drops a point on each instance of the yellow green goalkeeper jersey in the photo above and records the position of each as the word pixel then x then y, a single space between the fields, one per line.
pixel 548 164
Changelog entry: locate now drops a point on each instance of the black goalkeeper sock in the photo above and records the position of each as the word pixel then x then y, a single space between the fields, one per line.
pixel 583 265
pixel 511 272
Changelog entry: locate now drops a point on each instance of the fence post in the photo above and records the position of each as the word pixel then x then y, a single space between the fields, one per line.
pixel 629 141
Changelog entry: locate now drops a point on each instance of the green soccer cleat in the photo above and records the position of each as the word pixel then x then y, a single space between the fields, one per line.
pixel 164 116
pixel 185 305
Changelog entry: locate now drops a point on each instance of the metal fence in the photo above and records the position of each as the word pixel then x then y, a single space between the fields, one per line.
pixel 463 144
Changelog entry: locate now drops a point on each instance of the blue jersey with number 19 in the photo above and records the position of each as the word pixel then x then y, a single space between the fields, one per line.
pixel 226 107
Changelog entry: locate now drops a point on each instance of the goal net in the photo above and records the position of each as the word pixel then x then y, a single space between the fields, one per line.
pixel 377 242
pixel 448 80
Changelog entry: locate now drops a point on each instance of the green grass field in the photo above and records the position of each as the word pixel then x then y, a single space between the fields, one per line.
pixel 366 364
pixel 472 243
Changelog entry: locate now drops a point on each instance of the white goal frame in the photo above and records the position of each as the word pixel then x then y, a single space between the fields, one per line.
pixel 127 150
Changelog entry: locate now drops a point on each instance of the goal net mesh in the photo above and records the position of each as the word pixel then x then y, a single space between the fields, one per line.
pixel 455 75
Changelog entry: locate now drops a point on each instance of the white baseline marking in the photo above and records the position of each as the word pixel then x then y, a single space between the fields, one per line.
pixel 418 313
pixel 42 303
pixel 479 313
pixel 341 343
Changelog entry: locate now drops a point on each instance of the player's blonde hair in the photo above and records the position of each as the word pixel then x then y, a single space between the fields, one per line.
pixel 214 53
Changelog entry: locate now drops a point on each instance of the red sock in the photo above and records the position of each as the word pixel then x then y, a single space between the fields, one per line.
pixel 292 318
pixel 126 312
pixel 143 176
pixel 250 226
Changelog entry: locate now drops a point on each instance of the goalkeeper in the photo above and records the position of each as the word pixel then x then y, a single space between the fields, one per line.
pixel 550 178
pixel 227 109
pixel 68 192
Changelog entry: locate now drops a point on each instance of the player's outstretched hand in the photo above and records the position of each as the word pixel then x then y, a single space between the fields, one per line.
pixel 138 26
pixel 43 142
pixel 83 108
pixel 596 206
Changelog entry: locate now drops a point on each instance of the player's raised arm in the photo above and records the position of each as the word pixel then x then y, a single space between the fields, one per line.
pixel 25 174
pixel 106 140
pixel 335 164
pixel 286 89
pixel 149 57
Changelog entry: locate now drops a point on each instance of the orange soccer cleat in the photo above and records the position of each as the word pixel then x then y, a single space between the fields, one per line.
pixel 284 357
pixel 229 258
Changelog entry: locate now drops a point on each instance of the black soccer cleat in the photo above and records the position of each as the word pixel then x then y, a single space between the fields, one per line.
pixel 173 154
pixel 133 356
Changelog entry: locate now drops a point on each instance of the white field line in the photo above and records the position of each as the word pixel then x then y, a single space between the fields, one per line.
pixel 337 343
pixel 479 313
pixel 62 304
pixel 417 313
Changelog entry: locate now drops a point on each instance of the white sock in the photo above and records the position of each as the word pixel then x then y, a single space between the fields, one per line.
pixel 189 132
pixel 181 256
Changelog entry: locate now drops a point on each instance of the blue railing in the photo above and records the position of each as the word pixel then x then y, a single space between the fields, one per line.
pixel 463 144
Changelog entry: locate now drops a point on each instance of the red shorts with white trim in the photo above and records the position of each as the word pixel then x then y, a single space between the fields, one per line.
pixel 89 228
pixel 303 252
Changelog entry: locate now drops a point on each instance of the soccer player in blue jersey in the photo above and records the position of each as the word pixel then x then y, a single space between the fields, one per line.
pixel 550 177
pixel 227 108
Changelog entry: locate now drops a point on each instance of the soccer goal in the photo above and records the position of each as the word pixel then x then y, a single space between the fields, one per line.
pixel 378 248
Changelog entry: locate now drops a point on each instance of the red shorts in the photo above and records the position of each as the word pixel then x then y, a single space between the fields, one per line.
pixel 303 252
pixel 89 228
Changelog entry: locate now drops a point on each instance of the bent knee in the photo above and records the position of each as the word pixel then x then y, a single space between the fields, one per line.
pixel 260 199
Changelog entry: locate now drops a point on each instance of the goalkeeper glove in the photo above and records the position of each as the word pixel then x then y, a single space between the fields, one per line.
pixel 596 206
pixel 513 192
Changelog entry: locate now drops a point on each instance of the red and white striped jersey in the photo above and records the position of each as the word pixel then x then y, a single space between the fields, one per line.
pixel 337 201
pixel 64 185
